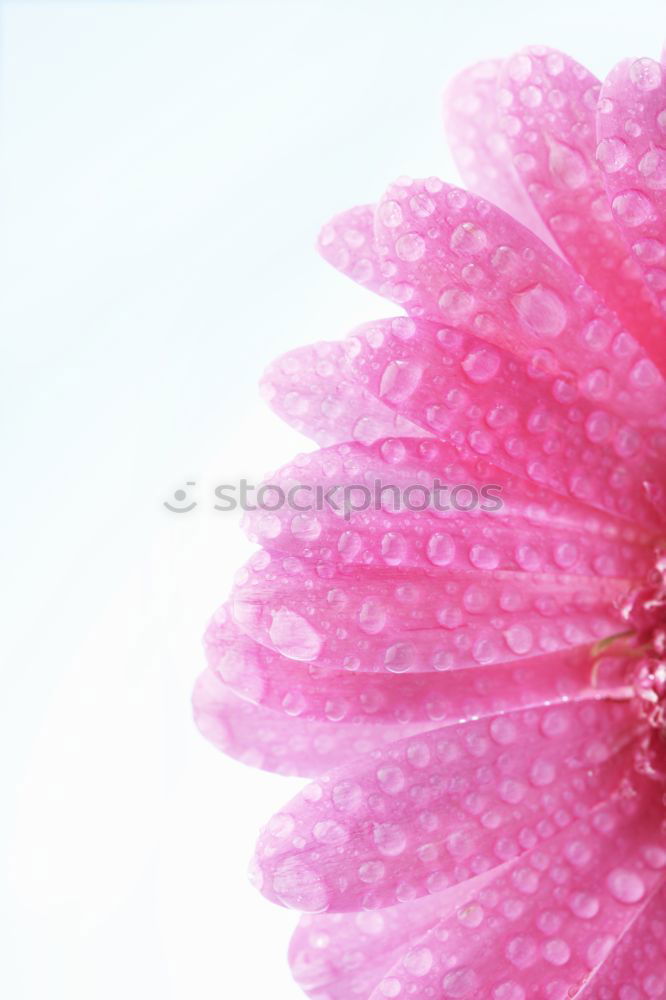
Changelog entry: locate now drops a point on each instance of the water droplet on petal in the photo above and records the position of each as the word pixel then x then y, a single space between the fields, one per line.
pixel 632 208
pixel 389 839
pixel 390 213
pixel 625 886
pixel 455 304
pixel 327 831
pixel 612 154
pixel 399 381
pixel 482 365
pixel 542 310
pixel 410 247
pixel 468 238
pixel 293 636
pixel 645 74
pixel 461 983
pixel 305 527
pixel 299 888
pixel 522 951
pixel 653 168
pixel 440 549
pixel 418 961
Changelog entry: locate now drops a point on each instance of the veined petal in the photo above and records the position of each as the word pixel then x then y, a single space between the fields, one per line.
pixel 335 956
pixel 635 966
pixel 389 619
pixel 422 503
pixel 631 129
pixel 312 389
pixel 548 114
pixel 347 242
pixel 313 693
pixel 480 147
pixel 453 803
pixel 527 417
pixel 276 741
pixel 549 922
pixel 472 267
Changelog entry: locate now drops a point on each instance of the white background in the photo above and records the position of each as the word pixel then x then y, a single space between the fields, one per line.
pixel 164 170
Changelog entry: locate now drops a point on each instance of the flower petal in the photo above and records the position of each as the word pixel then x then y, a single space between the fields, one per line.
pixel 347 242
pixel 549 118
pixel 547 924
pixel 312 390
pixel 635 967
pixel 320 694
pixel 276 741
pixel 480 148
pixel 455 802
pixel 420 503
pixel 631 128
pixel 389 619
pixel 341 955
pixel 525 416
pixel 474 268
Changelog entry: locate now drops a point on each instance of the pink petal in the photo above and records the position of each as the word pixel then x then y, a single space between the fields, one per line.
pixel 548 114
pixel 348 243
pixel 312 390
pixel 453 803
pixel 277 741
pixel 342 955
pixel 631 127
pixel 636 965
pixel 548 921
pixel 527 416
pixel 472 267
pixel 386 619
pixel 527 526
pixel 479 146
pixel 314 693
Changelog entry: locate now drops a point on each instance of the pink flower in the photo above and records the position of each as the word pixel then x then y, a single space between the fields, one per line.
pixel 479 693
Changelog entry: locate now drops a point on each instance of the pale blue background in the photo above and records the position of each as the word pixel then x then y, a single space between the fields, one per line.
pixel 163 173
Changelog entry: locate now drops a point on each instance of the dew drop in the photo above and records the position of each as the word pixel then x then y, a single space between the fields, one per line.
pixel 410 247
pixel 329 832
pixel 468 238
pixel 441 549
pixel 645 74
pixel 347 796
pixel 399 381
pixel 482 365
pixel 299 888
pixel 305 527
pixel 632 208
pixel 390 214
pixel 541 310
pixel 461 983
pixel 418 961
pixel 625 886
pixel 612 155
pixel 389 839
pixel 293 636
pixel 372 616
pixel 653 168
pixel 522 951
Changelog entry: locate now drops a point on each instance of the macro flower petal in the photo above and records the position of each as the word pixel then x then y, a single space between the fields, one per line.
pixel 430 812
pixel 549 118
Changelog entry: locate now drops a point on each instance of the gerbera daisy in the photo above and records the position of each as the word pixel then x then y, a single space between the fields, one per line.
pixel 479 693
